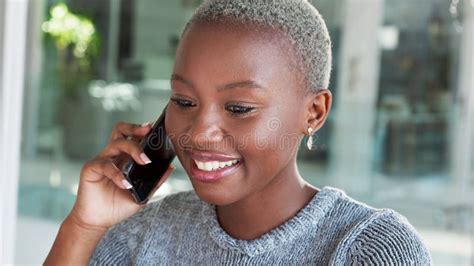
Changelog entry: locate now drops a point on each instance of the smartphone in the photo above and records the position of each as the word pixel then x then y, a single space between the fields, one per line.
pixel 158 147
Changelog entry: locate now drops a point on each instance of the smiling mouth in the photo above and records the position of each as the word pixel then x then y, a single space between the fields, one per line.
pixel 210 166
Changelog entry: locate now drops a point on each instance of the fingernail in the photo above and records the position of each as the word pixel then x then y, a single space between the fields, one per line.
pixel 172 167
pixel 145 158
pixel 145 124
pixel 126 184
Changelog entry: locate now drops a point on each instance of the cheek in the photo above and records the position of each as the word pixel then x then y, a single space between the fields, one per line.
pixel 175 128
pixel 267 142
pixel 175 121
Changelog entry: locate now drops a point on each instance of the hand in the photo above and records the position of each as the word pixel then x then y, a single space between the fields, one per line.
pixel 102 198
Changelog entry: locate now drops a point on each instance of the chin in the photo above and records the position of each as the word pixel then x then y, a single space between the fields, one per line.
pixel 217 196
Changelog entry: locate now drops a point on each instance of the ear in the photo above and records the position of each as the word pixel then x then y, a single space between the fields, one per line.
pixel 317 106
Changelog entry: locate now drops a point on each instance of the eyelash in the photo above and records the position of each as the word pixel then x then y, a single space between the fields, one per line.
pixel 182 103
pixel 243 110
pixel 237 110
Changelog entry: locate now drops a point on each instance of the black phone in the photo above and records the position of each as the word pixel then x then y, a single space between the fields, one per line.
pixel 158 147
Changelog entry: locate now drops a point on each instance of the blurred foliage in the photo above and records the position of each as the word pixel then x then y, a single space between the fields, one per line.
pixel 77 43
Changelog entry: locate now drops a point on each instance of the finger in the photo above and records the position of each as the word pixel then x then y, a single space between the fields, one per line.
pixel 100 168
pixel 124 130
pixel 130 147
pixel 121 160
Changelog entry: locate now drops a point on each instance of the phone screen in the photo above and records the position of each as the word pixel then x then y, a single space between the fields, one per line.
pixel 157 146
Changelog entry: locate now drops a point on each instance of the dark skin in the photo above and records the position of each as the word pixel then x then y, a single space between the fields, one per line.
pixel 267 188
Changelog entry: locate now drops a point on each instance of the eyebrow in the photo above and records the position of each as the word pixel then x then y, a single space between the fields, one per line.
pixel 248 84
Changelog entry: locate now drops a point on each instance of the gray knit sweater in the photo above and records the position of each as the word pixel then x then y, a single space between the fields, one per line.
pixel 332 229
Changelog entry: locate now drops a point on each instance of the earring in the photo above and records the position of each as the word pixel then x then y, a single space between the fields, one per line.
pixel 309 143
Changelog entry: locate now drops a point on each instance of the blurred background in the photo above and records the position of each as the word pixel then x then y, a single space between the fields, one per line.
pixel 400 135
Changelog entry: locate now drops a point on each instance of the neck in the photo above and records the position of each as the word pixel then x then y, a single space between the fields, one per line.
pixel 265 210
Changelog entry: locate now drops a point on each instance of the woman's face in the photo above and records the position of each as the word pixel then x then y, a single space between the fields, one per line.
pixel 235 94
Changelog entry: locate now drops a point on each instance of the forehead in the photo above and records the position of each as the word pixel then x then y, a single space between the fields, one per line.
pixel 227 52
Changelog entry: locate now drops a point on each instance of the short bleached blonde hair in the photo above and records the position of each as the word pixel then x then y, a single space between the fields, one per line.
pixel 298 20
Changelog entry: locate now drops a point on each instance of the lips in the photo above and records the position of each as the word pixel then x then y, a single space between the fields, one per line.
pixel 214 165
pixel 205 156
pixel 211 167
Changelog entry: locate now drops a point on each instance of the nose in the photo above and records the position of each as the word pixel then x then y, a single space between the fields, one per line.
pixel 206 131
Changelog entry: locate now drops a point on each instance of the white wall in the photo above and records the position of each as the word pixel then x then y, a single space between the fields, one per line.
pixel 462 154
pixel 34 71
pixel 12 47
pixel 155 23
pixel 40 232
pixel 355 109
pixel 2 11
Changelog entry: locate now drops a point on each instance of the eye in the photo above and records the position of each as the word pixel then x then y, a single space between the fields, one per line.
pixel 239 109
pixel 181 103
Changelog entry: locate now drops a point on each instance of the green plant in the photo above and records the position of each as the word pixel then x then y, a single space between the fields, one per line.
pixel 77 43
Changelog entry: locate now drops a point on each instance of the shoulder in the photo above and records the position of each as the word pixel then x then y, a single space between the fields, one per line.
pixel 179 203
pixel 382 237
pixel 346 211
pixel 120 241
pixel 179 199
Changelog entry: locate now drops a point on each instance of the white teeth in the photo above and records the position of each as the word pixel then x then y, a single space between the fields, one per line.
pixel 213 165
pixel 200 165
pixel 207 166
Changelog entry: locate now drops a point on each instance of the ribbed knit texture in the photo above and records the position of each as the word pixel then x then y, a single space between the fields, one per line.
pixel 332 229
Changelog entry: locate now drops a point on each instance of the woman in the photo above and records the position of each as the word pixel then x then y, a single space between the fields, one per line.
pixel 249 82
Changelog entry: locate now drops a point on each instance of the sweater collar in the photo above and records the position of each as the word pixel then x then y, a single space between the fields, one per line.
pixel 306 219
